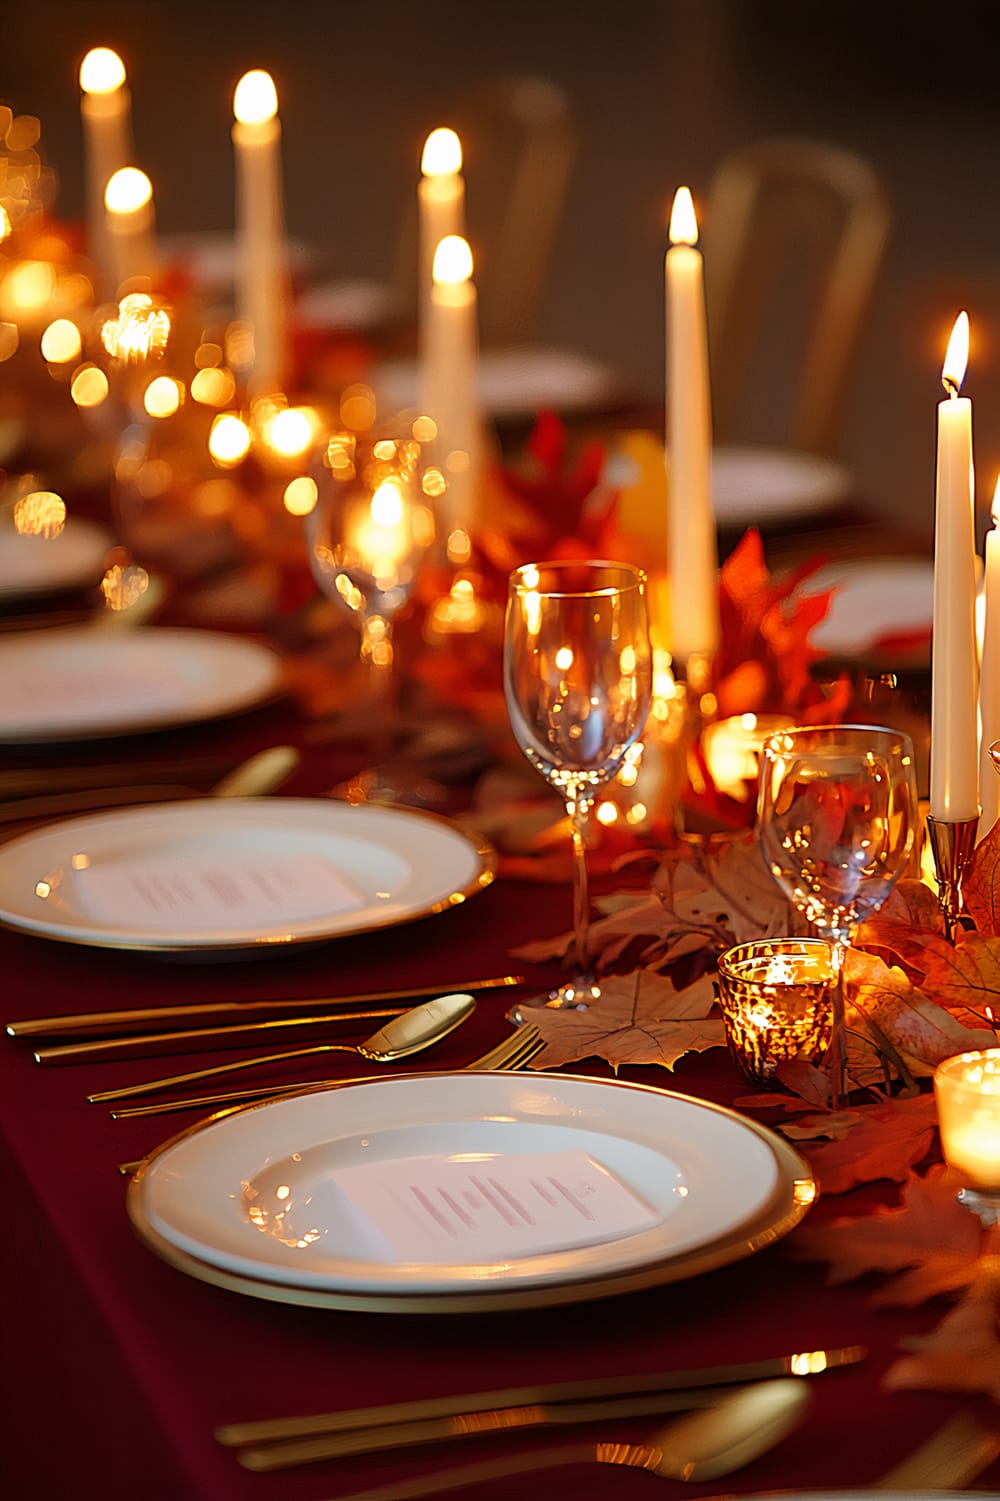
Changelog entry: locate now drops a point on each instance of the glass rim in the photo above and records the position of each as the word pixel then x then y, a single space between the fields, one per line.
pixel 757 949
pixel 635 577
pixel 902 736
pixel 947 1068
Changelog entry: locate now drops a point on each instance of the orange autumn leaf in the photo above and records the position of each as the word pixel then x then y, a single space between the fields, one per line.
pixel 906 928
pixel 895 1011
pixel 640 1018
pixel 981 887
pixel 966 978
pixel 863 1145
pixel 930 1245
pixel 963 1353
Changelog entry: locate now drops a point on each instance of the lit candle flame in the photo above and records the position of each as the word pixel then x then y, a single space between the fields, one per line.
pixel 102 71
pixel 995 506
pixel 452 261
pixel 255 100
pixel 442 153
pixel 957 356
pixel 683 222
pixel 128 190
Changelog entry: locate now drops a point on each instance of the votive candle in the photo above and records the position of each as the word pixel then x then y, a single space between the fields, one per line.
pixel 967 1089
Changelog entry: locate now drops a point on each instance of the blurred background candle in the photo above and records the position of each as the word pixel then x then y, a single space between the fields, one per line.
pixel 262 292
pixel 967 1089
pixel 106 112
pixel 954 739
pixel 989 677
pixel 732 748
pixel 449 386
pixel 128 200
pixel 441 198
pixel 692 545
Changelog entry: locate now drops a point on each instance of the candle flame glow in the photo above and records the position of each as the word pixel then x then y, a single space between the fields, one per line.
pixel 683 221
pixel 102 71
pixel 442 153
pixel 256 99
pixel 128 190
pixel 452 261
pixel 957 357
pixel 995 506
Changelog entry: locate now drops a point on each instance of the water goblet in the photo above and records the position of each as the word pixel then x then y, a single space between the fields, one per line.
pixel 577 679
pixel 836 821
pixel 367 535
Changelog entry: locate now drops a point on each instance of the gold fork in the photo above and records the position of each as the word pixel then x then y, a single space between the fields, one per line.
pixel 514 1052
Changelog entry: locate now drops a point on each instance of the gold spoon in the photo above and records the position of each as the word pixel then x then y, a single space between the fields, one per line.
pixel 714 1441
pixel 408 1033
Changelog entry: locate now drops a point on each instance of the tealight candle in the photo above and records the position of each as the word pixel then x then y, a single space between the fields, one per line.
pixel 261 273
pixel 128 199
pixel 691 538
pixel 106 112
pixel 775 997
pixel 967 1089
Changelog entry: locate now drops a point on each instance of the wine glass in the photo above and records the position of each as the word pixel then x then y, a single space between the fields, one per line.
pixel 367 534
pixel 577 678
pixel 837 820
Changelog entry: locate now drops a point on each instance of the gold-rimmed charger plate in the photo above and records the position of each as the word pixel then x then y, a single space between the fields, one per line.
pixel 724 1188
pixel 387 865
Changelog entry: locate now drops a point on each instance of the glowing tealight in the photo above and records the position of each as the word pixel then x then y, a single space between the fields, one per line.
pixel 452 261
pixel 442 153
pixel 967 1090
pixel 102 71
pixel 41 513
pixel 128 191
pixel 61 342
pixel 290 432
pixel 255 99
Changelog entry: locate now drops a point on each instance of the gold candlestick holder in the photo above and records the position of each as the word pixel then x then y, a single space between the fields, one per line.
pixel 953 842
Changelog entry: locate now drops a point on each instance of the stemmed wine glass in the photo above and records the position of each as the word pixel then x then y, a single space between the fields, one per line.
pixel 837 820
pixel 577 678
pixel 367 535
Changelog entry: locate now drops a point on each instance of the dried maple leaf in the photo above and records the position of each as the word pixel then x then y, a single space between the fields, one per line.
pixel 906 927
pixel 981 887
pixel 884 1140
pixel 641 1018
pixel 965 977
pixel 963 1352
pixel 930 1241
pixel 894 1011
pixel 640 919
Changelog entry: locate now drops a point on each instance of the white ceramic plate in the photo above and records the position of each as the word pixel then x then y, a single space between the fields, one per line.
pixel 83 684
pixel 235 873
pixel 514 382
pixel 41 565
pixel 761 486
pixel 875 598
pixel 251 1195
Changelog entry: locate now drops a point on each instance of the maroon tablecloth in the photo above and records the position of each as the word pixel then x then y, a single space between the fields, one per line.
pixel 117 1367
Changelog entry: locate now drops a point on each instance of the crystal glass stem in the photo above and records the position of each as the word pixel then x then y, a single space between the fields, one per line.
pixel 838 1037
pixel 578 807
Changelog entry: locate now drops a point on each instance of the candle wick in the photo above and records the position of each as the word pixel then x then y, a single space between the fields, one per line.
pixel 951 386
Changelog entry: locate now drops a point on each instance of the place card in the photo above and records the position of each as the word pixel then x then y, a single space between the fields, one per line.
pixel 205 893
pixel 469 1209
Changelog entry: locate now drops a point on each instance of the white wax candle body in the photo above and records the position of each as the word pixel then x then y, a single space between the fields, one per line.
pixel 107 131
pixel 441 202
pixel 989 689
pixel 261 261
pixel 692 544
pixel 131 242
pixel 449 395
pixel 954 738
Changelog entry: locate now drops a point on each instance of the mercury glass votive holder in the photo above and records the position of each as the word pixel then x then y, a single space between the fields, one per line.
pixel 967 1090
pixel 776 1000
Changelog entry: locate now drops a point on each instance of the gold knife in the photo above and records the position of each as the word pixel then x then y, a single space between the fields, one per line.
pixel 156 1018
pixel 802 1363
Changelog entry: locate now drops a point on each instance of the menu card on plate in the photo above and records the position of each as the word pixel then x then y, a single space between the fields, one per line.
pixel 203 893
pixel 487 1208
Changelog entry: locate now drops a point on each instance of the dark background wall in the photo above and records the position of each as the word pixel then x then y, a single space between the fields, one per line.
pixel 662 90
